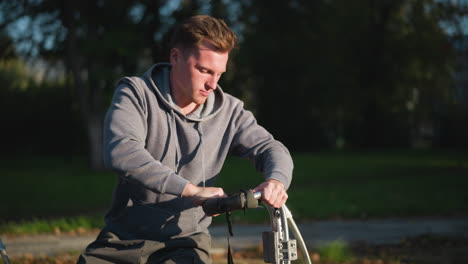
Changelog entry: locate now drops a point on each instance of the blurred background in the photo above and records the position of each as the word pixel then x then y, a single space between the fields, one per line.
pixel 370 96
pixel 319 75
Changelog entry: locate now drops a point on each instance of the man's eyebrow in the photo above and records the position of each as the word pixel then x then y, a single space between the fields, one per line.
pixel 205 68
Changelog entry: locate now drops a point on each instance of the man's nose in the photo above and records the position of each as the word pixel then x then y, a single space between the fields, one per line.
pixel 212 83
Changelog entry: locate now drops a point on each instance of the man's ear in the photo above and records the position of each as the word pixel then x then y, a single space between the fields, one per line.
pixel 174 55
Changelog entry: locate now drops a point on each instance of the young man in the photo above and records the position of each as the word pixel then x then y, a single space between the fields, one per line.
pixel 167 135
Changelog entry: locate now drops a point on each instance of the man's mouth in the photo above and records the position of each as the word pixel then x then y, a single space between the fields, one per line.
pixel 204 93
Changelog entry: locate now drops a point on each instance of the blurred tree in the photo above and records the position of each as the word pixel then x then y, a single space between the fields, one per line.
pixel 13 75
pixel 7 48
pixel 453 118
pixel 97 45
pixel 365 73
pixel 345 71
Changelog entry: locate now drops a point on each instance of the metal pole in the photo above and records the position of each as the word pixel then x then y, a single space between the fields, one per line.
pixel 297 235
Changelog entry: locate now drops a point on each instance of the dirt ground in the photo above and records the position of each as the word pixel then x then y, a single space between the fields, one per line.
pixel 425 249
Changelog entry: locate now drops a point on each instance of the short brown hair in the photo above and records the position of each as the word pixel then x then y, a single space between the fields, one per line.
pixel 192 31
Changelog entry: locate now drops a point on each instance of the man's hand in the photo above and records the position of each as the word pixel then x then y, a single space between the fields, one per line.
pixel 200 194
pixel 273 193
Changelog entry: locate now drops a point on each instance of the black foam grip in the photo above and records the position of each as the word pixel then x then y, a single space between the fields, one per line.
pixel 221 205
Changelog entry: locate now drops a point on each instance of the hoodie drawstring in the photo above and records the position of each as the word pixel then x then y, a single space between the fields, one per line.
pixel 200 134
pixel 178 155
pixel 173 130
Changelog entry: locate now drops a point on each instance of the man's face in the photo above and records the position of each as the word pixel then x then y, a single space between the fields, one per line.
pixel 195 75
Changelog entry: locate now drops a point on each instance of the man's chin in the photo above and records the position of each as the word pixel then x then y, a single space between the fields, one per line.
pixel 200 101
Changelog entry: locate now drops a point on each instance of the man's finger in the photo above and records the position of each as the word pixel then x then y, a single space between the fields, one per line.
pixel 280 199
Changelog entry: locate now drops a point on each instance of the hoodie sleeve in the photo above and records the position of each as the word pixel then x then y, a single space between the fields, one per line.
pixel 254 142
pixel 125 129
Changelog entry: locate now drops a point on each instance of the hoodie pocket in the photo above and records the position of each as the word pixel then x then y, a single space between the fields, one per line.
pixel 147 221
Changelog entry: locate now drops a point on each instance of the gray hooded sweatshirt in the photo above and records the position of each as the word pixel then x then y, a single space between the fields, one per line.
pixel 156 150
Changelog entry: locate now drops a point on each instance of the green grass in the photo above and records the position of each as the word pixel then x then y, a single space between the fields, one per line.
pixel 336 251
pixel 62 224
pixel 382 184
pixel 52 186
pixel 37 191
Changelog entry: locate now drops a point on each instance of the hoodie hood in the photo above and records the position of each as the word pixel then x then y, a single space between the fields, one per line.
pixel 158 78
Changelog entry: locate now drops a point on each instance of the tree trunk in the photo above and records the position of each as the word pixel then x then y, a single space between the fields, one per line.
pixel 95 128
pixel 88 99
